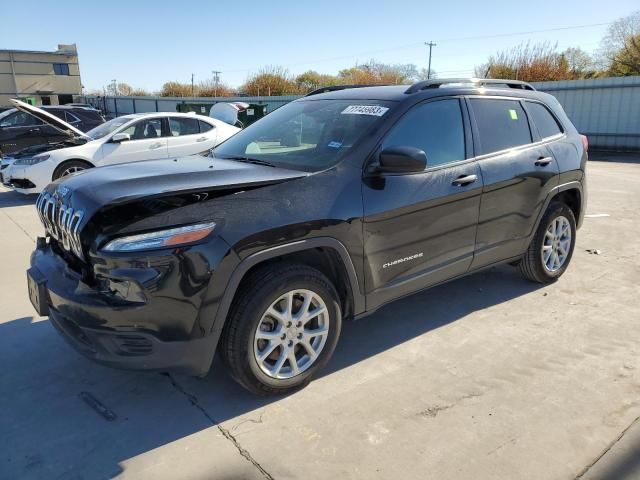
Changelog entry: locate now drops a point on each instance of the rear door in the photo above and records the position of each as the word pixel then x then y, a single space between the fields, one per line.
pixel 420 228
pixel 148 141
pixel 189 136
pixel 518 170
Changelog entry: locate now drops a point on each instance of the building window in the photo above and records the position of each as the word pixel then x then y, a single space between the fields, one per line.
pixel 61 68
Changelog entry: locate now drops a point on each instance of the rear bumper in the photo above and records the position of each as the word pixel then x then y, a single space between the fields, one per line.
pixel 159 330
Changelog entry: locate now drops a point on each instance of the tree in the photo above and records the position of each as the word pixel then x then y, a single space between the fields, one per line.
pixel 620 48
pixel 139 92
pixel 175 89
pixel 627 60
pixel 312 80
pixel 209 88
pixel 535 63
pixel 124 89
pixel 271 80
pixel 580 63
pixel 375 73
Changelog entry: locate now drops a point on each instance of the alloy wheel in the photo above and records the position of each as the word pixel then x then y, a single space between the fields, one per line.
pixel 71 170
pixel 291 334
pixel 556 244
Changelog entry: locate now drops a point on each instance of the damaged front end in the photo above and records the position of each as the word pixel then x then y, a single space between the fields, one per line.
pixel 124 274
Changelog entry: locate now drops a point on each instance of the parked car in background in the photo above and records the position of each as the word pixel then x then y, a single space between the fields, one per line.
pixel 83 105
pixel 20 129
pixel 130 138
pixel 328 208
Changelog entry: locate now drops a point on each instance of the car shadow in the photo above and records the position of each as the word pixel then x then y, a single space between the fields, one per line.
pixel 9 198
pixel 50 430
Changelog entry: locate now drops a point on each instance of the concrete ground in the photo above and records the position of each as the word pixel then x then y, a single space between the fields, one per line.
pixel 488 377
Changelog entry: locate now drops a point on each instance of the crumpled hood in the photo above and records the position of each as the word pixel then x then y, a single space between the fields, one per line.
pixel 96 188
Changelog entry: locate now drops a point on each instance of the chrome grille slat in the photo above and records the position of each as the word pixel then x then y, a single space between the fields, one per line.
pixel 61 221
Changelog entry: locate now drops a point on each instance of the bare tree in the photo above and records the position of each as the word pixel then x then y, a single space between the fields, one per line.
pixel 620 48
pixel 535 63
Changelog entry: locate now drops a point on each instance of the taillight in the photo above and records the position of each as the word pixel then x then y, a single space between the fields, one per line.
pixel 585 142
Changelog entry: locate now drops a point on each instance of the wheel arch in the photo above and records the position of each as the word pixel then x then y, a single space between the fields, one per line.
pixel 326 254
pixel 68 160
pixel 572 194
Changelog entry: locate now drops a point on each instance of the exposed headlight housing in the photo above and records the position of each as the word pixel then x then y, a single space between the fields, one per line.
pixel 32 160
pixel 171 237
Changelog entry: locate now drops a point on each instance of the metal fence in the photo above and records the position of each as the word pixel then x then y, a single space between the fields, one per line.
pixel 115 106
pixel 607 110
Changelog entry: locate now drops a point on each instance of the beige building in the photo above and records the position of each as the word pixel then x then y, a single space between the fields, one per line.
pixel 41 78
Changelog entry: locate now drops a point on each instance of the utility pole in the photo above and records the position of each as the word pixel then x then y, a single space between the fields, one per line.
pixel 192 84
pixel 430 44
pixel 216 80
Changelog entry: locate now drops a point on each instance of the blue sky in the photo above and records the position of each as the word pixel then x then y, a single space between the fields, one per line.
pixel 146 43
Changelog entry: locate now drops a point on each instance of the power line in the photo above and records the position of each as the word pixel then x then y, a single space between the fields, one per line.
pixel 419 44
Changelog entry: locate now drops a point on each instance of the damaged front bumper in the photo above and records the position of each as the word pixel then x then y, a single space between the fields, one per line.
pixel 141 313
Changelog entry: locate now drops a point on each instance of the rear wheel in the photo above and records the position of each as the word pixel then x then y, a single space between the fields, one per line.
pixel 69 168
pixel 283 328
pixel 551 249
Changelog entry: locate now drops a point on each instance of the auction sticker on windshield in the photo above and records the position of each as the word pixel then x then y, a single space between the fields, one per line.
pixel 375 110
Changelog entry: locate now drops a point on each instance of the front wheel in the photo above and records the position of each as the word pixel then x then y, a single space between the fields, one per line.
pixel 283 328
pixel 69 168
pixel 551 249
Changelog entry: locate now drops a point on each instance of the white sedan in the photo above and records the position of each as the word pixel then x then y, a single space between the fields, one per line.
pixel 129 138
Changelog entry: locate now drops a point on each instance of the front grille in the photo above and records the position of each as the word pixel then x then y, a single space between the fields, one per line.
pixel 61 221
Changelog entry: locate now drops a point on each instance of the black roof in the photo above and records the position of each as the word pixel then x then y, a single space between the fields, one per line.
pixel 429 88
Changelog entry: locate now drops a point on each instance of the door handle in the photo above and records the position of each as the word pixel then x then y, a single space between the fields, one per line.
pixel 201 139
pixel 155 145
pixel 543 161
pixel 36 129
pixel 463 180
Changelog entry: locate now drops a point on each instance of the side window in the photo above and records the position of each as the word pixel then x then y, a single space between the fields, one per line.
pixel 151 128
pixel 502 124
pixel 435 127
pixel 545 122
pixel 20 119
pixel 183 126
pixel 204 126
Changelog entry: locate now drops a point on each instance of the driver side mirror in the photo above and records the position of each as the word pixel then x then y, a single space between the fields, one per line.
pixel 121 137
pixel 400 160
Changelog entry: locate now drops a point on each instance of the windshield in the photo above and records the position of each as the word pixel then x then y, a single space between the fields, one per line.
pixel 107 127
pixel 307 135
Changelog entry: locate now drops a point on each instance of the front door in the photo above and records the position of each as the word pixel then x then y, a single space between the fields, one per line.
pixel 518 171
pixel 420 228
pixel 148 141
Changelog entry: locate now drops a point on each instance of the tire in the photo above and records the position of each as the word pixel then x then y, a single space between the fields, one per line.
pixel 270 289
pixel 540 267
pixel 69 167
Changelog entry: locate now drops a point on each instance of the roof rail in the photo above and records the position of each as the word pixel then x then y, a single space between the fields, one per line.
pixel 334 88
pixel 438 82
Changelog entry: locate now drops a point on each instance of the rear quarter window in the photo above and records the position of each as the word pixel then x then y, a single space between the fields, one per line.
pixel 544 120
pixel 502 124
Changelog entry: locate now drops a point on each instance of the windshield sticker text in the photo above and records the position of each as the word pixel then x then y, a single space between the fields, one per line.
pixel 375 110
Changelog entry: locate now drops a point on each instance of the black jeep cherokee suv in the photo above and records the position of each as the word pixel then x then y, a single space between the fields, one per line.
pixel 326 209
